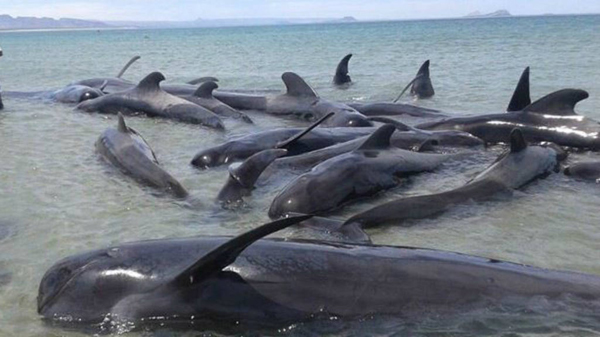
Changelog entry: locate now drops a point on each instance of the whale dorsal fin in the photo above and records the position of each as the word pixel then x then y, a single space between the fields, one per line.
pixel 122 127
pixel 225 254
pixel 341 72
pixel 520 98
pixel 296 86
pixel 206 89
pixel 248 172
pixel 517 141
pixel 151 82
pixel 286 143
pixel 560 103
pixel 379 139
pixel 424 69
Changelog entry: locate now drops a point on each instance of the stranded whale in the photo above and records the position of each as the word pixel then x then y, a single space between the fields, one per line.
pixel 147 97
pixel 127 150
pixel 248 283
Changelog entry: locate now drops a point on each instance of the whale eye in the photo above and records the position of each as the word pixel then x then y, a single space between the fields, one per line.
pixel 88 95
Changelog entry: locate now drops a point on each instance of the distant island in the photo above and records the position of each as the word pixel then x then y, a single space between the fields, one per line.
pixel 502 13
pixel 8 22
pixel 25 22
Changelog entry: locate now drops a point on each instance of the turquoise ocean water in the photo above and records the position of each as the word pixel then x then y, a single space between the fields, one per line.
pixel 58 199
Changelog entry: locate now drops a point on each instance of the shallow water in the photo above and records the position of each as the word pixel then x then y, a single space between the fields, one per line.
pixel 57 198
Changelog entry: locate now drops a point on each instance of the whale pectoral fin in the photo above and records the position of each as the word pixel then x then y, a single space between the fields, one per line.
pixel 286 143
pixel 520 98
pixel 380 139
pixel 151 82
pixel 560 103
pixel 122 127
pixel 248 172
pixel 206 89
pixel 103 86
pixel 133 59
pixel 225 254
pixel 296 86
pixel 517 141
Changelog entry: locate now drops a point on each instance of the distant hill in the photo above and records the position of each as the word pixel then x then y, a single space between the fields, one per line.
pixel 8 22
pixel 497 14
pixel 24 22
pixel 228 22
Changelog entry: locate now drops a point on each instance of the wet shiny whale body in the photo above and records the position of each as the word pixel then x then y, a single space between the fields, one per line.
pixel 274 283
pixel 551 118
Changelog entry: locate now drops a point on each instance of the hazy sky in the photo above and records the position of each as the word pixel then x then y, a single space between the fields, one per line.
pixel 180 10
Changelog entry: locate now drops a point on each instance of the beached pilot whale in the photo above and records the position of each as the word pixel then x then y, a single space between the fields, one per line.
pixel 248 283
pixel 341 72
pixel 551 118
pixel 147 97
pixel 127 150
pixel 203 96
pixel 373 167
pixel 512 170
pixel 422 87
pixel 294 140
pixel 300 100
pixel 83 90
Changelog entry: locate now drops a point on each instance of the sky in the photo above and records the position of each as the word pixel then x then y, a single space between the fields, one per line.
pixel 186 10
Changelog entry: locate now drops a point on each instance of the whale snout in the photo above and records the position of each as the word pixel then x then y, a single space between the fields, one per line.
pixel 87 106
pixel 288 201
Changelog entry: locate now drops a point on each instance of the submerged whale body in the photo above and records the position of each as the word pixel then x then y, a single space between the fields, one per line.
pixel 219 282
